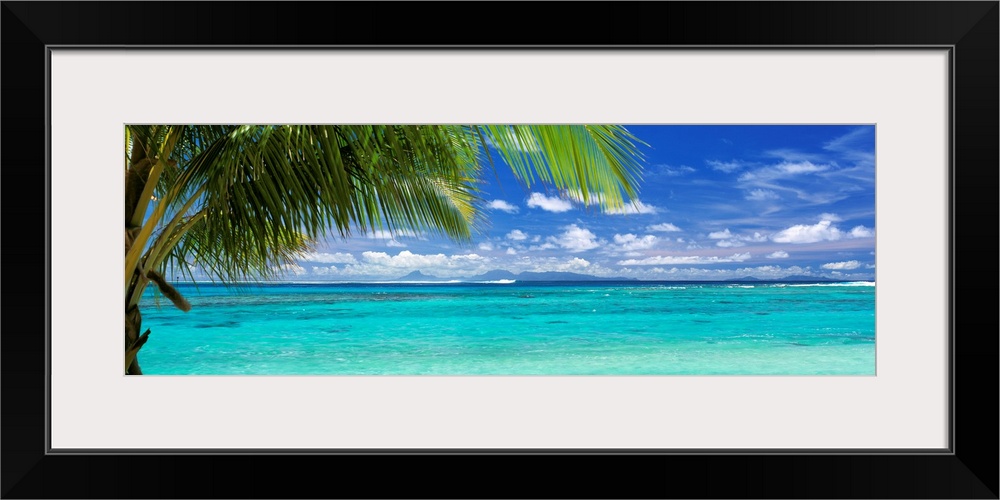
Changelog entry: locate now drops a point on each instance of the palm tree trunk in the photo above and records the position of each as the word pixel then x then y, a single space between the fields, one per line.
pixel 133 323
pixel 134 184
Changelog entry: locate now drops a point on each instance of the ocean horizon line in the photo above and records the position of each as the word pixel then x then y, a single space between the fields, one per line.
pixel 515 281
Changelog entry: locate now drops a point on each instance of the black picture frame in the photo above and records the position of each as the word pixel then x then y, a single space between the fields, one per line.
pixel 968 470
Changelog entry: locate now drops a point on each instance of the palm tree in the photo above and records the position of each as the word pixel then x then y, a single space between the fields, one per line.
pixel 240 202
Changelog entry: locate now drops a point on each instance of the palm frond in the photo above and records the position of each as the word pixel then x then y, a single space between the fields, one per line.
pixel 264 193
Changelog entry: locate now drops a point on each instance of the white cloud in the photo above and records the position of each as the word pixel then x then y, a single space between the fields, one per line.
pixel 387 235
pixel 844 142
pixel 408 260
pixel 728 239
pixel 792 155
pixel 729 243
pixel 292 269
pixel 787 177
pixel 851 264
pixel 328 258
pixel 324 271
pixel 725 166
pixel 487 246
pixel 685 259
pixel 395 244
pixel 673 171
pixel 503 206
pixel 701 273
pixel 511 251
pixel 539 200
pixel 541 264
pixel 720 235
pixel 556 264
pixel 830 217
pixel 782 170
pixel 379 235
pixel 803 167
pixel 856 146
pixel 517 235
pixel 633 207
pixel 630 242
pixel 862 232
pixel 576 239
pixel 543 246
pixel 577 196
pixel 761 195
pixel 666 227
pixel 629 207
pixel 383 265
pixel 779 254
pixel 822 231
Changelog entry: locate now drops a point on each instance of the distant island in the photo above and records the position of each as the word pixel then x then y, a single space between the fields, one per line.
pixel 500 274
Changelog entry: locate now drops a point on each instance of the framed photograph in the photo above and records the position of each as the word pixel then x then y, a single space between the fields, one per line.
pixel 777 302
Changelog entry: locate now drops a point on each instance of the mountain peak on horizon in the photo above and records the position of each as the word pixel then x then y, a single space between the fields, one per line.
pixel 417 275
pixel 498 274
pixel 495 274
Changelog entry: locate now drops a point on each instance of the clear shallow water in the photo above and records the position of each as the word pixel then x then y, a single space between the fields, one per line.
pixel 605 328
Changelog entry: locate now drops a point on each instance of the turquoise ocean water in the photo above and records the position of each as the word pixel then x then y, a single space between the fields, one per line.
pixel 529 328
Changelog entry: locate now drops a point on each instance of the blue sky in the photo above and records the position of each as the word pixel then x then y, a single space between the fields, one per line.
pixel 716 202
